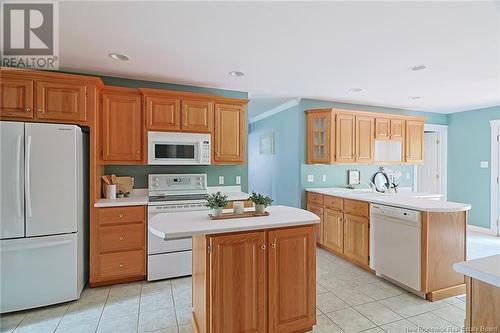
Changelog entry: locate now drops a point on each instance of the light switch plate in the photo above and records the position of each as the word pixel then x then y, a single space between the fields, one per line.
pixel 323 178
pixel 310 178
pixel 484 164
pixel 238 180
pixel 221 180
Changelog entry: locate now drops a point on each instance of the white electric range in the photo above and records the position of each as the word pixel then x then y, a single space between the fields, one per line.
pixel 168 194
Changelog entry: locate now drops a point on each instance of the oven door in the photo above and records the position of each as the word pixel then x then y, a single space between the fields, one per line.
pixel 174 153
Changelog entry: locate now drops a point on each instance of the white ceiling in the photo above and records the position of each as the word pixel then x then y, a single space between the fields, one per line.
pixel 298 49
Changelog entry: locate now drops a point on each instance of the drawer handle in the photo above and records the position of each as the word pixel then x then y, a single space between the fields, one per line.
pixel 121 265
pixel 121 238
pixel 28 109
pixel 40 110
pixel 120 216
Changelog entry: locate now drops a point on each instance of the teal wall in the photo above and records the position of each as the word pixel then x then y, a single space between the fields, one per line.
pixel 469 142
pixel 140 172
pixel 284 175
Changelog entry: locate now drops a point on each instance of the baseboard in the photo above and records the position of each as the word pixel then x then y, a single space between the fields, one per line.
pixel 481 230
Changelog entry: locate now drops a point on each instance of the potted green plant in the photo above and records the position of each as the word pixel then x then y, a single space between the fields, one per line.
pixel 261 202
pixel 216 202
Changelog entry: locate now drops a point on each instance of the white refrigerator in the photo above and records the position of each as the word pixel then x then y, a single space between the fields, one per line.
pixel 43 214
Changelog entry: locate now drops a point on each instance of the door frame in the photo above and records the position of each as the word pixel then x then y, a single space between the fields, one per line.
pixel 442 133
pixel 495 173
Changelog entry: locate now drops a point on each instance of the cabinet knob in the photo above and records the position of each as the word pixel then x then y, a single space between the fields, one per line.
pixel 273 245
pixel 138 152
pixel 263 247
pixel 121 265
pixel 28 109
pixel 40 110
pixel 121 238
pixel 120 216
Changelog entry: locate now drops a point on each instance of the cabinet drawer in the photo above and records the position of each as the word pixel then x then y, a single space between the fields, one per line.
pixel 315 198
pixel 122 214
pixel 121 237
pixel 121 265
pixel 334 202
pixel 354 207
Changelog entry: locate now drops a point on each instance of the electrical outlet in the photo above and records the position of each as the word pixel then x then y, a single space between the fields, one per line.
pixel 484 164
pixel 238 180
pixel 310 178
pixel 323 178
pixel 221 180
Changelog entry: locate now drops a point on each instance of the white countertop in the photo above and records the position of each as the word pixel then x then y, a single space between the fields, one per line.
pixel 485 269
pixel 140 197
pixel 185 224
pixel 409 200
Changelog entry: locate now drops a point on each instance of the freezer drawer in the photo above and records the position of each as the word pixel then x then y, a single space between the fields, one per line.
pixel 169 265
pixel 38 271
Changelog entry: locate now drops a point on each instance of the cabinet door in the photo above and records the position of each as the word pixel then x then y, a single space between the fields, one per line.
pixel 320 138
pixel 197 116
pixel 345 137
pixel 356 238
pixel 121 128
pixel 292 279
pixel 61 101
pixel 414 141
pixel 16 98
pixel 382 129
pixel 318 210
pixel 364 139
pixel 397 129
pixel 163 113
pixel 238 282
pixel 229 133
pixel 333 234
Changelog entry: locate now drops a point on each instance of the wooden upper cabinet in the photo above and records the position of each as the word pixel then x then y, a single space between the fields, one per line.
pixel 163 113
pixel 333 230
pixel 364 139
pixel 382 128
pixel 16 98
pixel 238 282
pixel 320 137
pixel 229 133
pixel 414 141
pixel 197 116
pixel 122 127
pixel 356 238
pixel 292 279
pixel 61 101
pixel 346 138
pixel 397 129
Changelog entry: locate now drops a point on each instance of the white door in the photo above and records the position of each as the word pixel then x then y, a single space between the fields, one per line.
pixel 38 271
pixel 51 178
pixel 429 178
pixel 12 181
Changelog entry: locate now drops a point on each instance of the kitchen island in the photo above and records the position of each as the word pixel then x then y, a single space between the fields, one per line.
pixel 438 239
pixel 253 274
pixel 483 293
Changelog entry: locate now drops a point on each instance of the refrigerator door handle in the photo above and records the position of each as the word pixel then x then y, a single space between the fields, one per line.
pixel 18 175
pixel 27 177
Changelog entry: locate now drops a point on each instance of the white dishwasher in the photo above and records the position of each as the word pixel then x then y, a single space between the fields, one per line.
pixel 395 244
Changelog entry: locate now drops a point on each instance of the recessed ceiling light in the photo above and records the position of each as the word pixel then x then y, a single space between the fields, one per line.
pixel 118 56
pixel 355 90
pixel 418 68
pixel 236 73
pixel 415 97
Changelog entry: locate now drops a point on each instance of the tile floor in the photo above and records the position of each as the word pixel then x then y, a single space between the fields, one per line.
pixel 349 299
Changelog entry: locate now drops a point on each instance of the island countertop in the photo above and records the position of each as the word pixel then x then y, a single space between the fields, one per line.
pixel 419 203
pixel 485 269
pixel 186 224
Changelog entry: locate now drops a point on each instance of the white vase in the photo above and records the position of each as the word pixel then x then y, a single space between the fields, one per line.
pixel 217 211
pixel 260 209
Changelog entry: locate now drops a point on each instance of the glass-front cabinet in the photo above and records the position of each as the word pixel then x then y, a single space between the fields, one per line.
pixel 320 136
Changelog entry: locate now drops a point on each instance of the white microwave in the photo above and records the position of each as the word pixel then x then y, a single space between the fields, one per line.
pixel 169 148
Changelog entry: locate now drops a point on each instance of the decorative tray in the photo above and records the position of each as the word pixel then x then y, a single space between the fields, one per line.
pixel 226 216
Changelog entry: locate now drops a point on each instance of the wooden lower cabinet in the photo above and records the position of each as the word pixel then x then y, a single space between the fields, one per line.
pixel 482 307
pixel 318 210
pixel 333 230
pixel 356 238
pixel 262 281
pixel 118 245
